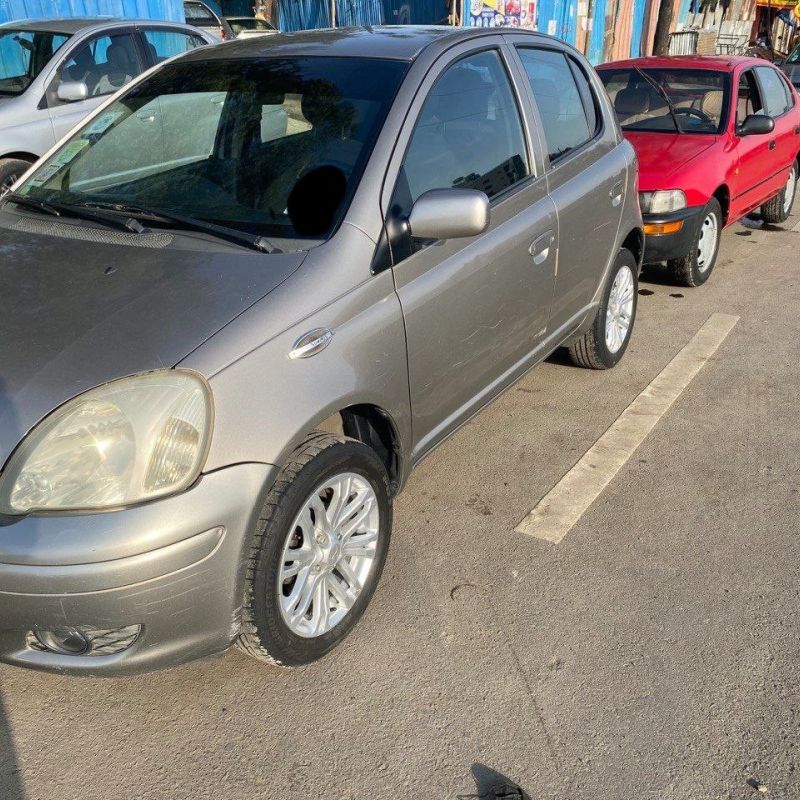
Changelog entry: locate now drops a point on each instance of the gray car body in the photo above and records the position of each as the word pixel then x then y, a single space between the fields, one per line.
pixel 417 349
pixel 28 127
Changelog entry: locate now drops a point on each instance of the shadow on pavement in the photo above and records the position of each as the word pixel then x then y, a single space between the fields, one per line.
pixel 10 777
pixel 492 785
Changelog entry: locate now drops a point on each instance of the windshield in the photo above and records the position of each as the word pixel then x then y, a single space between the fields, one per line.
pixel 699 99
pixel 239 24
pixel 273 147
pixel 794 56
pixel 23 55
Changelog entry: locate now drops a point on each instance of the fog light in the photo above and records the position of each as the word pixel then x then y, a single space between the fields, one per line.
pixel 68 641
pixel 84 641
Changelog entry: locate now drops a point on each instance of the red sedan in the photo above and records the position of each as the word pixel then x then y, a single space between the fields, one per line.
pixel 717 139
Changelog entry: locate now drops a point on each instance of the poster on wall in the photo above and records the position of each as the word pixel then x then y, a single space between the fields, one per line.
pixel 502 14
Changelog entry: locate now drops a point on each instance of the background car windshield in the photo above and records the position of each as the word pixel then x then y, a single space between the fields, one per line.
pixel 274 147
pixel 239 24
pixel 794 56
pixel 23 55
pixel 699 99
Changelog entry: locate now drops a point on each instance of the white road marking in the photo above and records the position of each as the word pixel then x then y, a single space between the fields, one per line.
pixel 557 512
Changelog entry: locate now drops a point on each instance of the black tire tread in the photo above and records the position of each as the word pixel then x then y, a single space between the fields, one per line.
pixel 248 640
pixel 773 212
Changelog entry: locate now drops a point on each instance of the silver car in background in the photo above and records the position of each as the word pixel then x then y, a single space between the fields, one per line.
pixel 257 288
pixel 55 72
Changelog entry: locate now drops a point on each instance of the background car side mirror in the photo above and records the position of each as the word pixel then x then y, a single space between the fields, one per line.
pixel 72 91
pixel 756 125
pixel 449 214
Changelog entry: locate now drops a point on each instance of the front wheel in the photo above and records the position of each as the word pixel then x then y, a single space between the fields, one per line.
pixel 317 553
pixel 779 208
pixel 11 170
pixel 604 344
pixel 694 269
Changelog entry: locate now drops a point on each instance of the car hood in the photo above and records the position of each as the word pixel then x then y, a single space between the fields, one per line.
pixel 77 313
pixel 661 155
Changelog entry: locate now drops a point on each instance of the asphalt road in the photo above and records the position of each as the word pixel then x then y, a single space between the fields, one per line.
pixel 652 653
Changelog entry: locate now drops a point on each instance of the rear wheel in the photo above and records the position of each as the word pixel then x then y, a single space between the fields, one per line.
pixel 604 344
pixel 11 170
pixel 779 208
pixel 695 267
pixel 317 553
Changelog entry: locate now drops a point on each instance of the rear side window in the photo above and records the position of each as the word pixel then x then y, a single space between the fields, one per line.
pixel 166 44
pixel 469 133
pixel 563 97
pixel 776 97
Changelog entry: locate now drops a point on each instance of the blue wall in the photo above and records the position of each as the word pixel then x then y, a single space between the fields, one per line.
pixel 295 15
pixel 43 9
pixel 558 11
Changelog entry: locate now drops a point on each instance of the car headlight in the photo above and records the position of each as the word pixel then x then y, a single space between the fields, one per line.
pixel 127 441
pixel 662 202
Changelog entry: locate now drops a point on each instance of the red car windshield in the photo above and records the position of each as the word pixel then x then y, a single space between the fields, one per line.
pixel 666 100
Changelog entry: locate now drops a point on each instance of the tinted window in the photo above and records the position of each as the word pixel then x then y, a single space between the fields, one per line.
pixel 165 44
pixel 569 117
pixel 749 97
pixel 197 14
pixel 642 99
pixel 776 97
pixel 273 147
pixel 23 55
pixel 469 133
pixel 104 64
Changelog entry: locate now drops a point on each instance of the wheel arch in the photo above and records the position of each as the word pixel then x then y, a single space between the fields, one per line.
pixel 20 155
pixel 634 241
pixel 723 196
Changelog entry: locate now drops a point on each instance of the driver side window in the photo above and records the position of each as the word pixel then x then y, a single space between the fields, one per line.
pixel 749 97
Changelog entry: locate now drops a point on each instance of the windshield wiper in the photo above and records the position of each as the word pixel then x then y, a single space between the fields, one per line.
pixel 660 89
pixel 30 202
pixel 188 223
pixel 66 210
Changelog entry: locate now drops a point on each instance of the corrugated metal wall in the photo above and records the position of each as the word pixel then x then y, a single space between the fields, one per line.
pixel 42 9
pixel 296 15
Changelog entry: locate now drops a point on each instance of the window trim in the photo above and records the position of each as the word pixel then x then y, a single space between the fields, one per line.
pixel 572 64
pixel 756 71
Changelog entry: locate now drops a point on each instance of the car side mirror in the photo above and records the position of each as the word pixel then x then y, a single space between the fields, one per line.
pixel 756 125
pixel 72 91
pixel 449 214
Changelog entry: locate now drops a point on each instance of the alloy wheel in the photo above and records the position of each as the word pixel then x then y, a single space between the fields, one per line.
pixel 707 242
pixel 328 555
pixel 619 314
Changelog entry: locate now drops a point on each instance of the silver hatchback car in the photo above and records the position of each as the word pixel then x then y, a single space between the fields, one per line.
pixel 54 72
pixel 251 293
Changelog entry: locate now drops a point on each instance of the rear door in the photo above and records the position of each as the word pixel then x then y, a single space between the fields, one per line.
pixel 475 309
pixel 105 63
pixel 779 102
pixel 587 173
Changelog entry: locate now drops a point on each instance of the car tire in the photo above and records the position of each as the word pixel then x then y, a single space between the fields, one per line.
pixel 777 210
pixel 604 344
pixel 11 169
pixel 695 268
pixel 273 629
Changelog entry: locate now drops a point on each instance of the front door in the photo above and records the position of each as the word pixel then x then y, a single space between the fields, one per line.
pixel 474 308
pixel 587 177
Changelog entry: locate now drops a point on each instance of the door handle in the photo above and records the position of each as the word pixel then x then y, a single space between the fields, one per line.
pixel 616 194
pixel 540 249
pixel 772 144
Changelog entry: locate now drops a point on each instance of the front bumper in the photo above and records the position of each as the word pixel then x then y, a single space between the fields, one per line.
pixel 666 246
pixel 175 567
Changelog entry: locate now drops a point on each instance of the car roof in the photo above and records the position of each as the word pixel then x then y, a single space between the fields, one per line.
pixel 73 25
pixel 719 63
pixel 400 42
